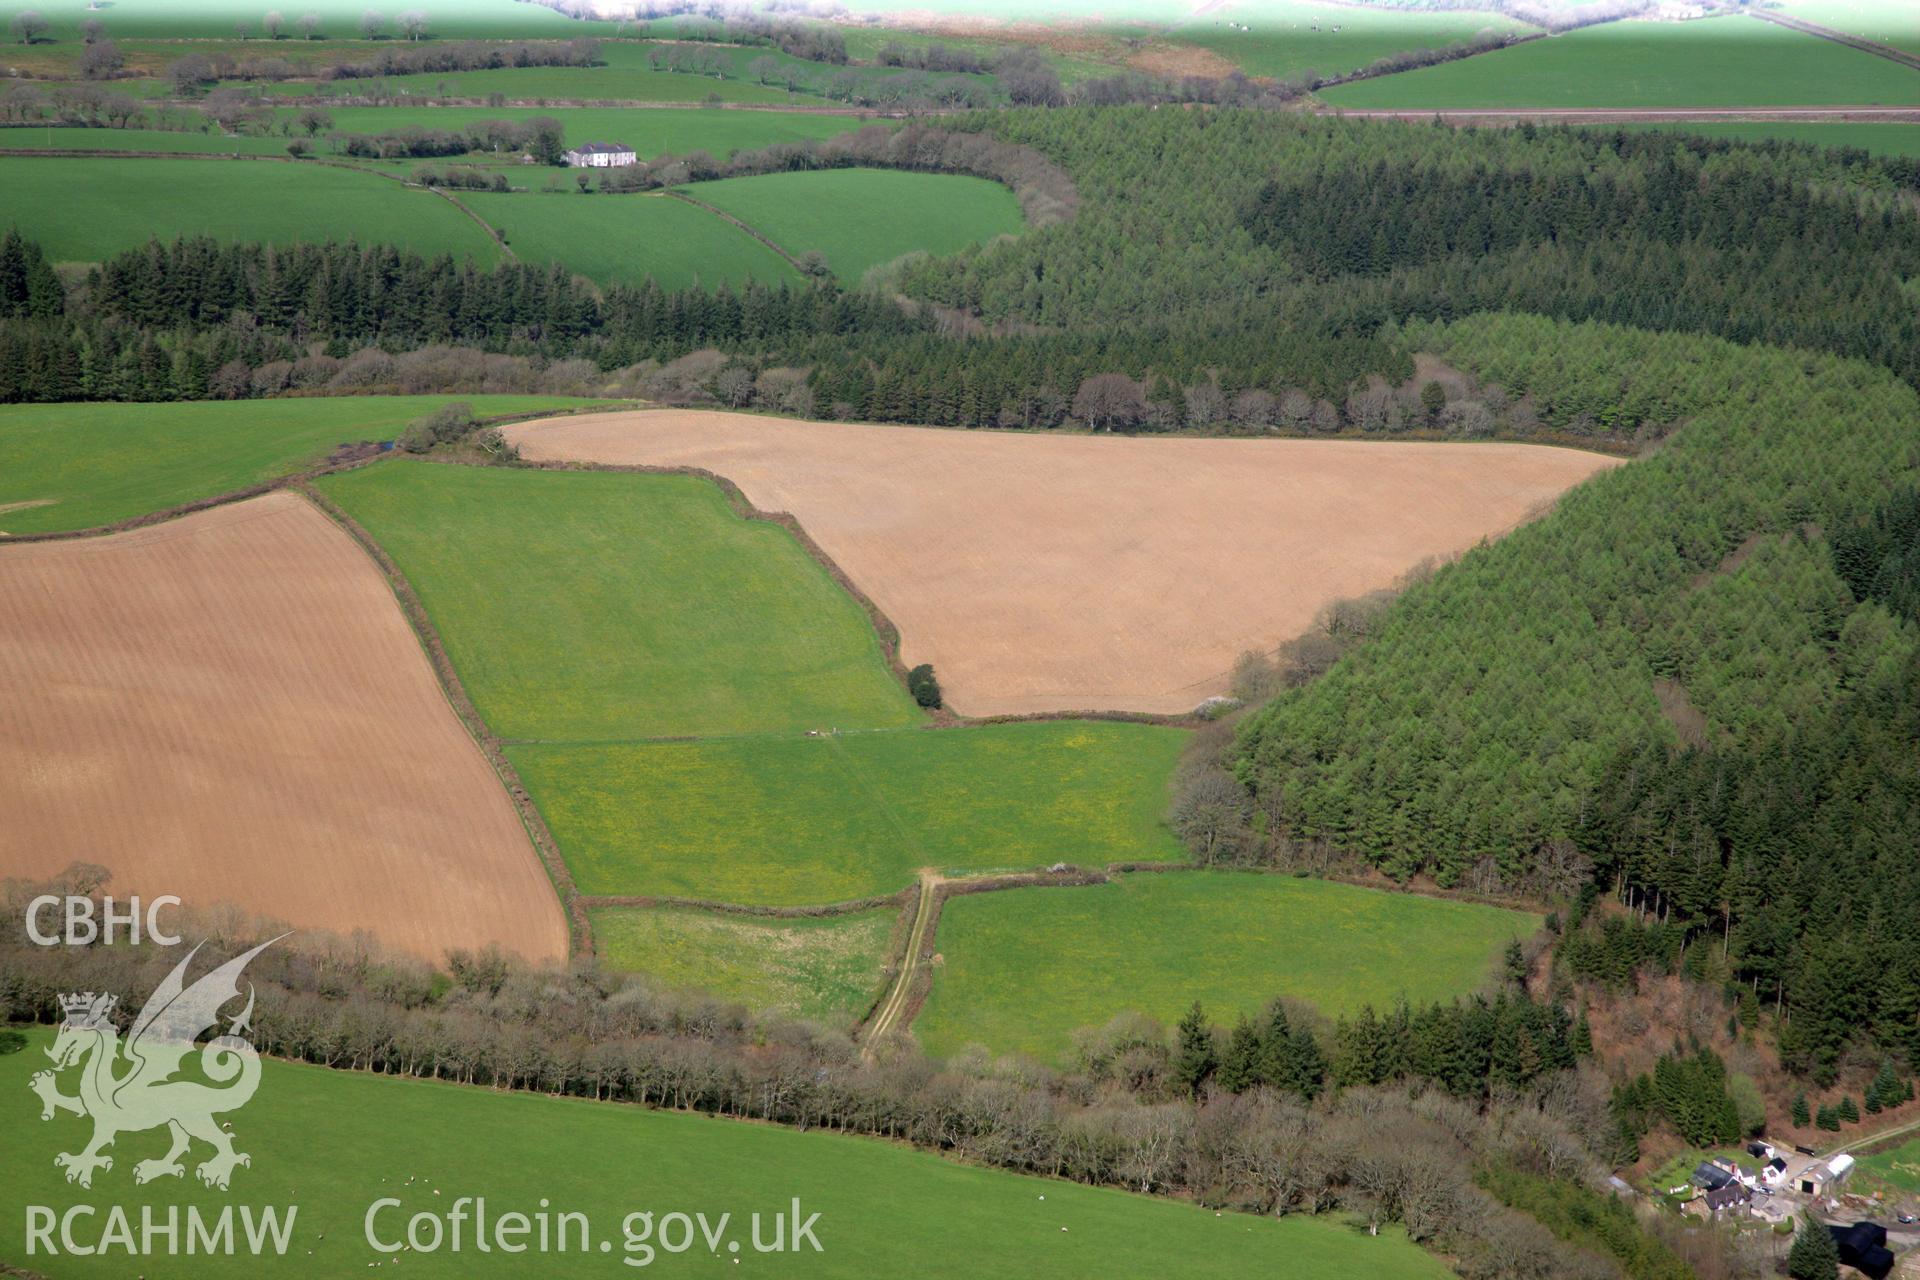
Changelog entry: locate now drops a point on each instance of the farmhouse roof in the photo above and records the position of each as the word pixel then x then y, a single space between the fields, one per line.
pixel 1712 1176
pixel 1726 1197
pixel 602 148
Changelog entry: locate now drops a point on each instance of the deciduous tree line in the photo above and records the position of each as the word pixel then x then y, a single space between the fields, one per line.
pixel 1387 1156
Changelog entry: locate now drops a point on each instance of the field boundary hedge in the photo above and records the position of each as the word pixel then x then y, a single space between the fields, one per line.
pixel 579 929
pixel 748 228
pixel 1840 37
pixel 942 717
pixel 851 906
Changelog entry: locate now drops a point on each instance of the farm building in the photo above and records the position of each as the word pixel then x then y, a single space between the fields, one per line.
pixel 1774 1172
pixel 1733 1196
pixel 1822 1179
pixel 602 155
pixel 1863 1246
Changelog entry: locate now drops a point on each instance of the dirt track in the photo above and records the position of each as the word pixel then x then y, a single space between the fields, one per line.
pixel 231 707
pixel 1075 573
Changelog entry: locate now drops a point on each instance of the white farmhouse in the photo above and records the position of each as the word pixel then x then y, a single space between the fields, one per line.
pixel 601 155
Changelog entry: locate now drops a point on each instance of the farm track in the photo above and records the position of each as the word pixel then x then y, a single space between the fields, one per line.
pixel 891 1008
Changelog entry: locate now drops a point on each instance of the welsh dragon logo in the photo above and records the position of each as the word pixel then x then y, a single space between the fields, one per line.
pixel 129 1087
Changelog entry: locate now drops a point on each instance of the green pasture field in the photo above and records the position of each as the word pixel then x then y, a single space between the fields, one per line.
pixel 1895 23
pixel 530 84
pixel 334 1142
pixel 627 238
pixel 1283 42
pixel 651 131
pixel 1880 139
pixel 100 463
pixel 1898 1167
pixel 1734 61
pixel 829 969
pixel 60 138
pixel 215 19
pixel 86 210
pixel 1021 969
pixel 788 821
pixel 860 218
pixel 600 605
pixel 864 44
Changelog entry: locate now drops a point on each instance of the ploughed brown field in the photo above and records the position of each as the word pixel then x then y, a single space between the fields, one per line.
pixel 1081 573
pixel 231 707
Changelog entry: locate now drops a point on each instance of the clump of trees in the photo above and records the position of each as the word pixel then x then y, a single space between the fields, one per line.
pixel 924 687
pixel 541 137
pixel 465 55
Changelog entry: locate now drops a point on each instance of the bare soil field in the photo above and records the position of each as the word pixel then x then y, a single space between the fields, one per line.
pixel 1081 573
pixel 231 707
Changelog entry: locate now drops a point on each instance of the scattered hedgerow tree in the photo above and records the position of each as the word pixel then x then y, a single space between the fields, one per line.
pixel 924 687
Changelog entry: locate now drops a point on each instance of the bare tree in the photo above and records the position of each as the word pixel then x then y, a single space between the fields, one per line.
pixel 242 30
pixel 1206 404
pixel 230 109
pixel 370 24
pixel 273 24
pixel 101 61
pixel 189 73
pixel 1109 402
pixel 309 25
pixel 1210 814
pixel 764 68
pixel 734 387
pixel 1254 409
pixel 313 120
pixel 27 26
pixel 121 110
pixel 92 29
pixel 413 24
